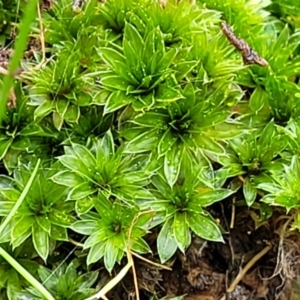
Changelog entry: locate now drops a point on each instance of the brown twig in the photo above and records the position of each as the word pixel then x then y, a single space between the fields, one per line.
pixel 249 55
pixel 243 272
pixel 150 262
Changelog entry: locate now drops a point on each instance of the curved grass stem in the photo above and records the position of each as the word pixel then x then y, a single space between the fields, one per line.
pixel 27 276
pixel 20 45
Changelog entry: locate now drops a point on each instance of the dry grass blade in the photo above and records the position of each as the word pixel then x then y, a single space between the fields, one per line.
pixel 243 272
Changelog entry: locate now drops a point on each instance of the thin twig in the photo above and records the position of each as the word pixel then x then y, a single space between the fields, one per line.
pixel 248 54
pixel 136 284
pixel 42 38
pixel 280 253
pixel 241 178
pixel 243 272
pixel 129 256
pixel 77 244
pixel 62 262
pixel 232 213
pixel 112 283
pixel 231 250
pixel 150 262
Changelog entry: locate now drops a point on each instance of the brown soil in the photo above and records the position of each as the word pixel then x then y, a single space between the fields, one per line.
pixel 209 271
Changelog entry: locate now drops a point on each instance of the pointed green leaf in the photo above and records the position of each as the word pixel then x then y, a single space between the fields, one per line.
pixel 5 207
pixel 44 223
pixel 107 144
pixel 172 164
pixel 110 255
pixel 166 244
pixel 67 178
pixel 75 164
pixel 99 235
pixel 85 155
pixel 250 192
pixel 140 246
pixel 4 146
pixel 151 119
pixel 212 119
pixel 58 120
pixel 205 227
pixel 149 48
pixel 44 109
pixel 22 226
pixel 210 197
pixel 166 60
pixel 85 227
pixel 83 205
pixel 284 200
pixel 40 240
pixel 132 35
pixel 132 58
pixel 117 100
pixel 207 143
pixel 181 230
pixel 61 106
pixel 72 114
pixel 258 99
pixel 183 68
pixel 103 205
pixel 61 218
pixel 115 83
pixel 58 233
pixel 96 253
pixel 113 58
pixel 167 94
pixel 167 141
pixel 144 142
